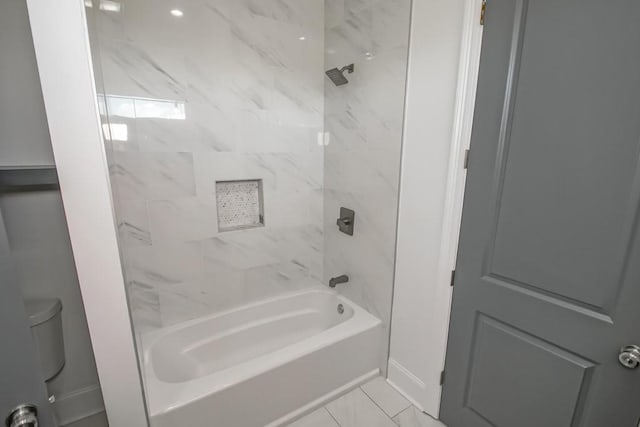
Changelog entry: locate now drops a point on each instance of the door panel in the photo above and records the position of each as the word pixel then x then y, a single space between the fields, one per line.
pixel 548 273
pixel 497 378
pixel 567 157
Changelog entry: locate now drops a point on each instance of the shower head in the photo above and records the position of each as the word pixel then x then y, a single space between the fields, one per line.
pixel 337 75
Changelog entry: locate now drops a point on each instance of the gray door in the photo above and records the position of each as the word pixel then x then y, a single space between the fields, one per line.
pixel 21 381
pixel 547 285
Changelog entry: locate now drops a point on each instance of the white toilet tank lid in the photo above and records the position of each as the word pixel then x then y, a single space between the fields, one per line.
pixel 42 309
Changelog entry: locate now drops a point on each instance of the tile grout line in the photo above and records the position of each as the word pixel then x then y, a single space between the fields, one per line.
pixel 331 415
pixel 379 407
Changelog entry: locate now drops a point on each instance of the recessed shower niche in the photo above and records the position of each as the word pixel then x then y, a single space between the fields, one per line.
pixel 240 204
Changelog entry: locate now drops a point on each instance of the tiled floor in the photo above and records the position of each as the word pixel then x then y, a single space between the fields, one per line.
pixel 374 404
pixel 97 420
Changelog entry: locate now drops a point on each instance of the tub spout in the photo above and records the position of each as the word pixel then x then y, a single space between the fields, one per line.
pixel 336 280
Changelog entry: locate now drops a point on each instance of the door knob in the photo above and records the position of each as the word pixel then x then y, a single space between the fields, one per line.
pixel 629 356
pixel 23 416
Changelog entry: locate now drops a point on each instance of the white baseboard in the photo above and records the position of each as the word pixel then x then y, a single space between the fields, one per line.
pixel 422 396
pixel 78 404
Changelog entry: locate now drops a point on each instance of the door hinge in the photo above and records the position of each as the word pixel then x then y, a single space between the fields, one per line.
pixel 453 277
pixel 483 10
pixel 441 377
pixel 466 159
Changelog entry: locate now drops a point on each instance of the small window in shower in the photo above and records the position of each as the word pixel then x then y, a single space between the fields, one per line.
pixel 240 204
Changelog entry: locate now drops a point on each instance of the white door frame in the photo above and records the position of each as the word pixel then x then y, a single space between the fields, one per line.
pixel 461 142
pixel 61 43
pixel 421 384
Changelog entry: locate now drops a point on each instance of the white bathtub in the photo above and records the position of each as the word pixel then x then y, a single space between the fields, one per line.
pixel 262 364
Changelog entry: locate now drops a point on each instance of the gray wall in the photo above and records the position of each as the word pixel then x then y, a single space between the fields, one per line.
pixel 35 221
pixel 25 137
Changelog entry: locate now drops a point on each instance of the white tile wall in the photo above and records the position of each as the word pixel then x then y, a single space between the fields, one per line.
pixel 255 99
pixel 252 94
pixel 362 160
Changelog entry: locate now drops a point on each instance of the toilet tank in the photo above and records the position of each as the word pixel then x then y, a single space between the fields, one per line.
pixel 46 328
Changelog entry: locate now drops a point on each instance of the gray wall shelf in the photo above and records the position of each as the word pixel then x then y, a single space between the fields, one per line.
pixel 28 178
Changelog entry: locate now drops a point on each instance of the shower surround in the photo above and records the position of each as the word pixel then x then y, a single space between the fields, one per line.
pixel 245 101
pixel 363 121
pixel 236 90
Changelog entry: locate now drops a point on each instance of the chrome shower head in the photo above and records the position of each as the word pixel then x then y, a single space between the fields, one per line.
pixel 337 75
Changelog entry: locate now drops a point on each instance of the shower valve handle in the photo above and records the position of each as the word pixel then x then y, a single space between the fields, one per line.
pixel 346 220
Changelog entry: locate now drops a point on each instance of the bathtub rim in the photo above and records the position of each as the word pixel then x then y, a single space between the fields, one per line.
pixel 162 397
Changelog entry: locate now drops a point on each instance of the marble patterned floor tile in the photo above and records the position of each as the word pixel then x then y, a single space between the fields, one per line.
pixel 318 418
pixel 385 396
pixel 412 417
pixel 97 420
pixel 355 409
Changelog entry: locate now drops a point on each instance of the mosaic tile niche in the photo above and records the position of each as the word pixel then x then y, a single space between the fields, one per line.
pixel 239 204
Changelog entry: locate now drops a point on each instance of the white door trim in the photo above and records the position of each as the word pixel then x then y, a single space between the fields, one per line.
pixel 423 388
pixel 456 179
pixel 63 55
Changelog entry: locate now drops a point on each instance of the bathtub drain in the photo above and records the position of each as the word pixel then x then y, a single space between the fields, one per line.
pixel 340 308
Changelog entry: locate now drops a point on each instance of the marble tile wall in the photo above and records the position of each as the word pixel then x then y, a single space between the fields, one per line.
pixel 231 90
pixel 363 120
pixel 235 90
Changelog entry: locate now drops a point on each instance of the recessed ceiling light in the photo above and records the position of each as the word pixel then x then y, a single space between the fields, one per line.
pixel 302 38
pixel 177 12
